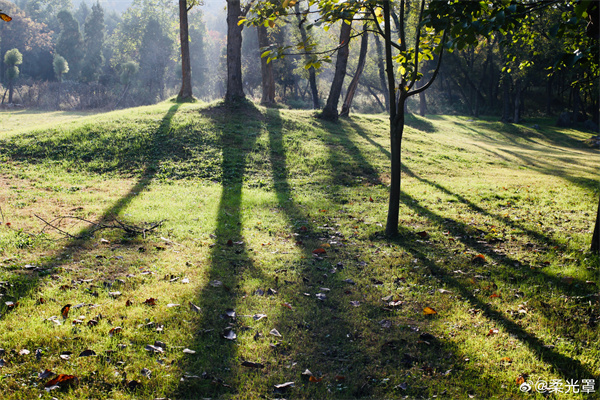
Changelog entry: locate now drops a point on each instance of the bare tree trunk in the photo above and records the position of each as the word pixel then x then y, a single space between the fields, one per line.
pixel 596 236
pixel 422 104
pixel 364 45
pixel 505 99
pixel 185 93
pixel 330 111
pixel 266 69
pixel 235 90
pixel 518 91
pixel 312 75
pixel 10 91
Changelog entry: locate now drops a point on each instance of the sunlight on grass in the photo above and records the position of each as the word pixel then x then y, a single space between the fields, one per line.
pixel 279 218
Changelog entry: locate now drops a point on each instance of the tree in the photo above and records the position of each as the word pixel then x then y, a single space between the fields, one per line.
pixel 128 71
pixel 12 58
pixel 70 43
pixel 362 58
pixel 153 63
pixel 266 69
pixel 185 93
pixel 94 43
pixel 61 67
pixel 330 111
pixel 312 75
pixel 235 90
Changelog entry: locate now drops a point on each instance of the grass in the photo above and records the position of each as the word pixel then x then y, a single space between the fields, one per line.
pixel 495 225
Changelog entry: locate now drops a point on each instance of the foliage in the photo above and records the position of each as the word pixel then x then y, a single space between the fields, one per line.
pixel 94 42
pixel 60 65
pixel 70 44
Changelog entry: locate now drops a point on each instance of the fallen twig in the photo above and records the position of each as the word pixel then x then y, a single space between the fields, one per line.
pixel 114 223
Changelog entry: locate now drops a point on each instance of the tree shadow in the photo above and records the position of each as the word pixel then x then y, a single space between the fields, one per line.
pixel 230 262
pixel 25 284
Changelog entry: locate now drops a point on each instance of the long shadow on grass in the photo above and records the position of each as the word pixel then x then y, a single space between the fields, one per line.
pixel 214 373
pixel 25 283
pixel 566 366
pixel 354 352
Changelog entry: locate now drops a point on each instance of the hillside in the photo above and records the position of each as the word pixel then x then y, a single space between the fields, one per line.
pixel 264 256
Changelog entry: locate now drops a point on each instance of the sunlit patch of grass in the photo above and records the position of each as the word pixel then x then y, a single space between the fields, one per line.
pixel 495 225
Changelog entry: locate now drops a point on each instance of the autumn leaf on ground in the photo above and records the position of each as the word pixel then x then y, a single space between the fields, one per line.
pixel 479 258
pixel 150 302
pixel 189 351
pixel 128 303
pixel 230 312
pixel 92 322
pixel 45 374
pixel 114 295
pixel 423 234
pixel 315 379
pixel 65 311
pixel 494 295
pixel 62 381
pixel 24 352
pixel 230 335
pixel 429 311
pixel 66 355
pixel 319 251
pixel 275 332
pixel 522 378
pixel 283 387
pixel 288 305
pixel 116 330
pixel 492 331
pixel 154 349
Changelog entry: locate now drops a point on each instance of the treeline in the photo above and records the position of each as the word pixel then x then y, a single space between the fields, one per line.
pixel 84 57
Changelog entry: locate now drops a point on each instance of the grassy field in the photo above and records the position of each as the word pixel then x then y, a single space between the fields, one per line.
pixel 269 265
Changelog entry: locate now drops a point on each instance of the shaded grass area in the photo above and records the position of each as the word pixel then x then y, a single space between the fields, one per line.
pixel 495 226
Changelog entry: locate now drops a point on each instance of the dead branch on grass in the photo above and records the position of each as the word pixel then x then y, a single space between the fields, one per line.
pixel 109 223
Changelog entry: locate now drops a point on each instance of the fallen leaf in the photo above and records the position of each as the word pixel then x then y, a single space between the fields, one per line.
pixel 24 352
pixel 216 283
pixel 114 295
pixel 87 353
pixel 173 305
pixel 154 349
pixel 251 364
pixel 258 317
pixel 271 292
pixel 314 379
pixel 151 301
pixel 128 303
pixel 385 323
pixel 116 330
pixel 507 359
pixel 479 258
pixel 230 312
pixel 283 387
pixel 444 291
pixel 65 311
pixel 275 332
pixel 307 373
pixel 146 372
pixel 288 305
pixel 423 234
pixel 45 374
pixel 340 378
pixel 92 322
pixel 230 335
pixel 185 280
pixel 319 251
pixel 188 351
pixel 494 295
pixel 355 303
pixel 429 311
pixel 62 381
pixel 492 332
pixel 194 307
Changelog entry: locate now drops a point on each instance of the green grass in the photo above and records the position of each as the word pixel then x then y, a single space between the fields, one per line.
pixel 247 195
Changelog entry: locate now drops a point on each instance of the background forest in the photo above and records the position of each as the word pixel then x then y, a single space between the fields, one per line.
pixel 107 55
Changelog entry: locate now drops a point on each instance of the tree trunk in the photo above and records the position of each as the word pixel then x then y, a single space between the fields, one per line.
pixel 10 91
pixel 330 111
pixel 312 76
pixel 596 236
pixel 266 69
pixel 396 131
pixel 235 90
pixel 58 93
pixel 364 44
pixel 381 66
pixel 517 114
pixel 505 99
pixel 576 104
pixel 422 104
pixel 185 93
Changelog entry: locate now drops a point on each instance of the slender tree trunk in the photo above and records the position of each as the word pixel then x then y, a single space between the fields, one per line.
pixel 10 91
pixel 517 114
pixel 330 111
pixel 376 98
pixel 235 90
pixel 596 236
pixel 58 93
pixel 312 75
pixel 505 99
pixel 266 69
pixel 549 96
pixel 422 104
pixel 364 45
pixel 396 132
pixel 185 93
pixel 576 105
pixel 381 67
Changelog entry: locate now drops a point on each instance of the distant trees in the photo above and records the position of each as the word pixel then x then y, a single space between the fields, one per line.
pixel 93 59
pixel 61 67
pixel 13 58
pixel 70 43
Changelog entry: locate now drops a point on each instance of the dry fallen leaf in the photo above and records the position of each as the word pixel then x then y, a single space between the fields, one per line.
pixel 116 330
pixel 492 331
pixel 314 379
pixel 423 234
pixel 429 311
pixel 230 335
pixel 65 311
pixel 87 353
pixel 275 332
pixel 62 381
pixel 319 251
pixel 188 351
pixel 194 307
pixel 151 301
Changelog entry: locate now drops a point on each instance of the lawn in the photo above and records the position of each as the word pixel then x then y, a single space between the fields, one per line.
pixel 255 266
